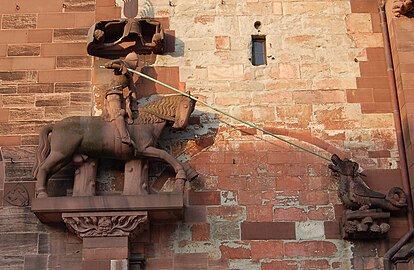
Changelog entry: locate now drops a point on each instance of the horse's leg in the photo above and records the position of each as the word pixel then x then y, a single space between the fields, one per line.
pixel 161 154
pixel 53 163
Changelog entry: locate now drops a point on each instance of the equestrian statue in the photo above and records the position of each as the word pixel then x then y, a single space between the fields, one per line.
pixel 128 133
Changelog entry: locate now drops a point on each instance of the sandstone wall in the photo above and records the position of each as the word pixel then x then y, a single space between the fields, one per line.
pixel 259 203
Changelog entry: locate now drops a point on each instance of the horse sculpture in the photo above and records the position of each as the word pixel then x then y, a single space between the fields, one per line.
pixel 92 137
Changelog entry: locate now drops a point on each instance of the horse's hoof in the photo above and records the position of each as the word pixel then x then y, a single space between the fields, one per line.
pixel 42 194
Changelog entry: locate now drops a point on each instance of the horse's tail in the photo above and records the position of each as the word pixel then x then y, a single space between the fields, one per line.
pixel 43 149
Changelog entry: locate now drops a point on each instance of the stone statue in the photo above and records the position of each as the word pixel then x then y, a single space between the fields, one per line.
pixel 112 39
pixel 115 95
pixel 402 7
pixel 369 210
pixel 80 138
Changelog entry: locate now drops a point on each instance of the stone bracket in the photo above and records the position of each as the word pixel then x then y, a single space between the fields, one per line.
pixel 365 224
pixel 105 224
pixel 160 207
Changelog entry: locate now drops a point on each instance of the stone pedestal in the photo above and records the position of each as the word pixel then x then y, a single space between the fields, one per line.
pixel 105 236
pixel 105 223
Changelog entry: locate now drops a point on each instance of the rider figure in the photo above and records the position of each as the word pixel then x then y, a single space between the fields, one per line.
pixel 122 78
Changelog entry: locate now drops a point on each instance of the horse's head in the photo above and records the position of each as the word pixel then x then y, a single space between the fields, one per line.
pixel 184 108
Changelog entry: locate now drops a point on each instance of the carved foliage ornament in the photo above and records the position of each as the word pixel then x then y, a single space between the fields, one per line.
pixel 402 7
pixel 104 225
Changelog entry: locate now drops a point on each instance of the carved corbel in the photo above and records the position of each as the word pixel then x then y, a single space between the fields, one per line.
pixel 105 224
pixel 369 211
pixel 402 7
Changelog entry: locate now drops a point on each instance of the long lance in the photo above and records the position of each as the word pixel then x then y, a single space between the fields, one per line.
pixel 226 114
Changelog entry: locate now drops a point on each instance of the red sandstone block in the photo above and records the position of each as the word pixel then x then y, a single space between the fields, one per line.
pixel 64 76
pixel 259 213
pixel 163 263
pixel 4 115
pixel 235 251
pixel 268 231
pixel 266 249
pixel 27 63
pixel 321 213
pixel 40 35
pixel 382 95
pixel 376 23
pixel 3 50
pixel 195 214
pixel 289 183
pixel 280 265
pixel 315 264
pixel 318 197
pixel 98 264
pixel 200 232
pixel 13 36
pixel 332 230
pixel 250 197
pixel 7 7
pixel 232 182
pixel 107 13
pixel 364 6
pixel 105 3
pixel 204 198
pixel 10 140
pixel 317 183
pixel 379 154
pixel 260 183
pixel 39 6
pixel 289 214
pixel 105 253
pixel 318 96
pixel 310 249
pixel 360 95
pixel 112 242
pixel 373 68
pixel 379 82
pixel 376 54
pixel 57 49
pixel 377 107
pixel 66 20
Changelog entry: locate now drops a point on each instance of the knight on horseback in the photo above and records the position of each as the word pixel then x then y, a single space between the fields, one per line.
pixel 121 79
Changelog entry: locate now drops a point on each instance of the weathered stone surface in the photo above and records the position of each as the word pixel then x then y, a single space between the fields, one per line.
pixel 23 220
pixel 81 99
pixel 27 114
pixel 57 113
pixel 23 50
pixel 79 5
pixel 18 76
pixel 36 88
pixel 13 101
pixel 74 62
pixel 225 230
pixel 8 89
pixel 73 87
pixel 52 100
pixel 15 244
pixel 70 35
pixel 12 262
pixel 19 21
pixel 31 127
